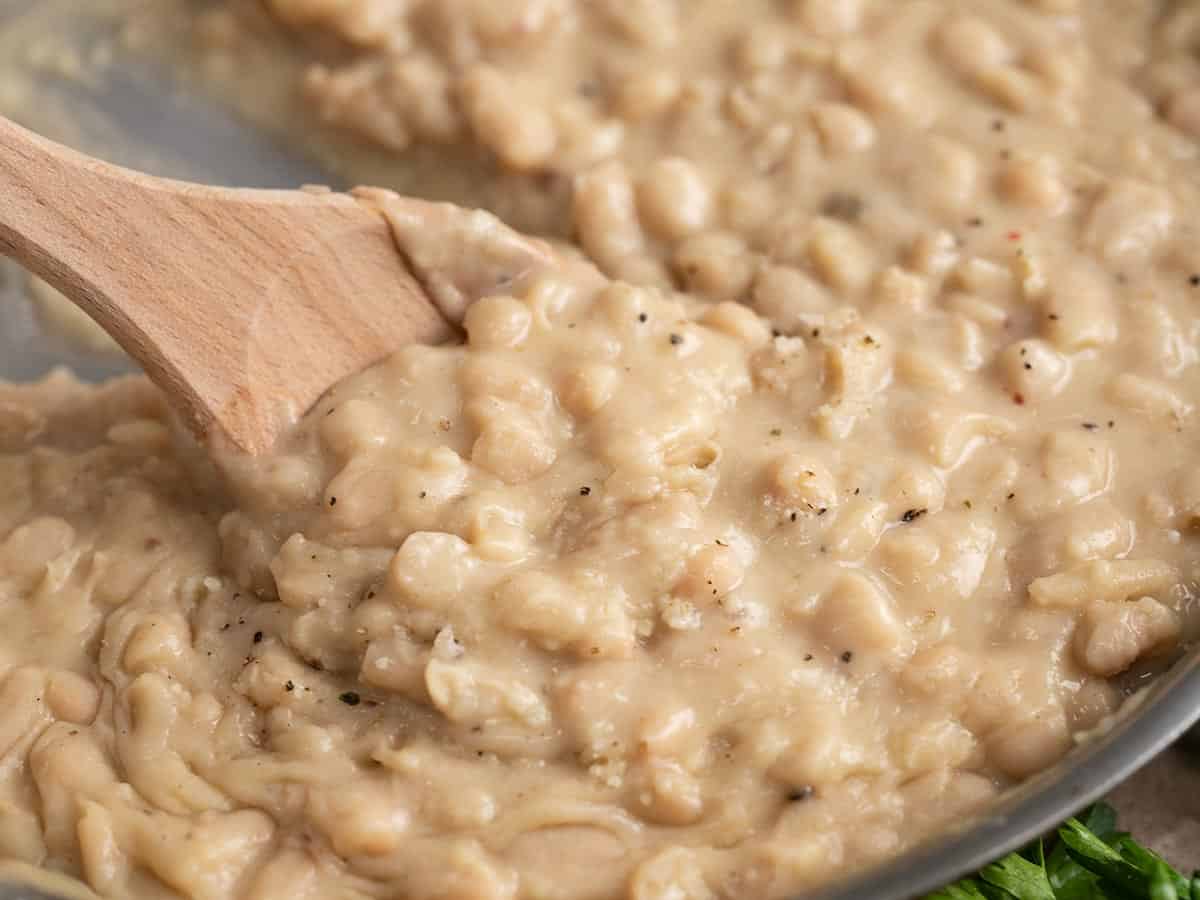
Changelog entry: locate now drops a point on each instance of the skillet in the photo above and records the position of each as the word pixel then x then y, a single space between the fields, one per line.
pixel 196 139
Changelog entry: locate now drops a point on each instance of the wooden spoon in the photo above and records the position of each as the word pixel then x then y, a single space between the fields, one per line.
pixel 244 306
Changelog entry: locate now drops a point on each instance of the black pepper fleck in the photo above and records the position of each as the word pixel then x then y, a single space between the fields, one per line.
pixel 350 698
pixel 847 655
pixel 676 339
pixel 290 686
pixel 258 636
pixel 642 317
pixel 911 515
pixel 776 432
pixel 842 205
pixel 1028 367
pixel 800 794
pixel 1090 426
pixel 1194 280
pixel 793 516
pixel 584 491
pixel 333 501
pixel 808 657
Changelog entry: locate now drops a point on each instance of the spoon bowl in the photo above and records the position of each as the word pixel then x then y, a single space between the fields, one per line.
pixel 243 305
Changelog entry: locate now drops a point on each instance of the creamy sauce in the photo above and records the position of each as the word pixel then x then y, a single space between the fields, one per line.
pixel 826 507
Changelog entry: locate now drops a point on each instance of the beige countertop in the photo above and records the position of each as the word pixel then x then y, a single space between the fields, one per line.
pixel 1160 806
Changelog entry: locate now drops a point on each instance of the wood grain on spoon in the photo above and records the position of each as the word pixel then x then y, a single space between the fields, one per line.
pixel 244 306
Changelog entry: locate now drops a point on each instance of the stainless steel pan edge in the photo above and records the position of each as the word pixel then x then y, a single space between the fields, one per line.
pixel 1169 708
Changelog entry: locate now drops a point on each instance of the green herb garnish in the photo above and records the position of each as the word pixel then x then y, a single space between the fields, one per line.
pixel 1086 859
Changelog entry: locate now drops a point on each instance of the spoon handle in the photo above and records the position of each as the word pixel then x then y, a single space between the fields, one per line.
pixel 243 305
